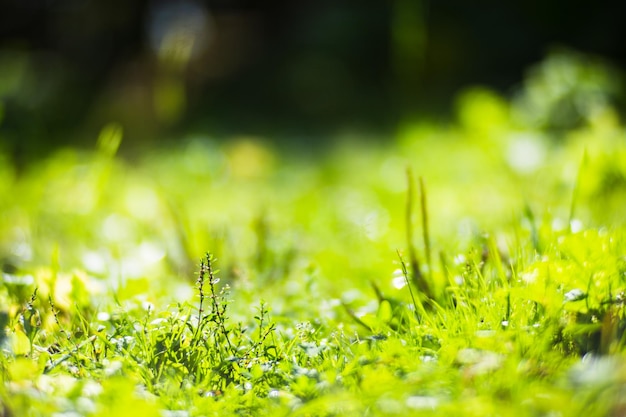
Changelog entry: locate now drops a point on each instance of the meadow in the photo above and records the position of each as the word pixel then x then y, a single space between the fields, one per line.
pixel 475 267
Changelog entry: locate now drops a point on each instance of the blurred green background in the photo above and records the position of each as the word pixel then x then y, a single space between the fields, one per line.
pixel 297 71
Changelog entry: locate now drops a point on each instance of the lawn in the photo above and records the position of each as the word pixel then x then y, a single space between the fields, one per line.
pixel 470 268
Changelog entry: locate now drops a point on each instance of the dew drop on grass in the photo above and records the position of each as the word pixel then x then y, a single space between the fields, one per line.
pixel 575 295
pixel 274 394
pixel 103 316
pixel 558 225
pixel 428 358
pixel 530 277
pixel 147 306
pixel 460 259
pixel 398 281
pixel 576 226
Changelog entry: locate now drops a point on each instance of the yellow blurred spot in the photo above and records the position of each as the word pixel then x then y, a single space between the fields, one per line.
pixel 481 110
pixel 20 345
pixel 247 158
pixel 64 288
pixel 169 99
pixel 110 139
pixel 605 119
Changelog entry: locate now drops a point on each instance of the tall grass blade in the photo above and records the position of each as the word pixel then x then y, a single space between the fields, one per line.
pixel 425 225
pixel 417 276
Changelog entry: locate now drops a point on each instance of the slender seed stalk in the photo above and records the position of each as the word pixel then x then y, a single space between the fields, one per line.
pixel 417 276
pixel 219 311
pixel 405 273
pixel 416 273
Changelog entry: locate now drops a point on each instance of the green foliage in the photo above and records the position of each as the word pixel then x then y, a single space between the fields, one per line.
pixel 179 348
pixel 507 296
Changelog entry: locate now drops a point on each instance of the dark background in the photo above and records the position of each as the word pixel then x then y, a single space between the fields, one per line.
pixel 290 69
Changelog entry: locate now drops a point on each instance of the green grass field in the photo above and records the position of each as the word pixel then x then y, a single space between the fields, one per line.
pixel 475 268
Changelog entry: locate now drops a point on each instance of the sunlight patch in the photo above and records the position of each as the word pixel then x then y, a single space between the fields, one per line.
pixel 94 262
pixel 151 253
pixel 526 153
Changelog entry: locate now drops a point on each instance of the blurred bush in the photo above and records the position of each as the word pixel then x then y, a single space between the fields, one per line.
pixel 297 69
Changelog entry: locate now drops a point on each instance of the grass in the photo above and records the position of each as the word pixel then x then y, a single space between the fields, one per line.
pixel 489 280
